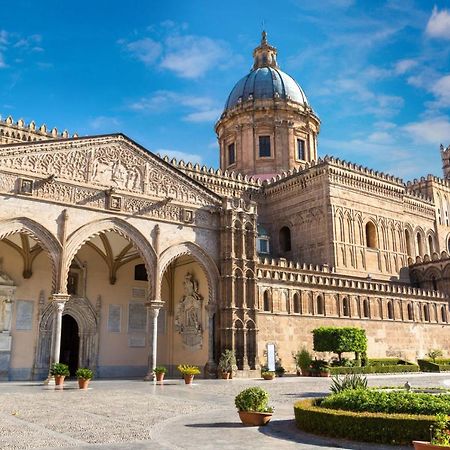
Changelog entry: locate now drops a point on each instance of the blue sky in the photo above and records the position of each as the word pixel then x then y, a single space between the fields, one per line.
pixel 376 72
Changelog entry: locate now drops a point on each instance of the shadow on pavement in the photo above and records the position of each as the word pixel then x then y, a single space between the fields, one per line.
pixel 215 425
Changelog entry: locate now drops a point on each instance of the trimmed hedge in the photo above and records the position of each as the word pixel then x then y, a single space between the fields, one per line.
pixel 426 365
pixel 366 427
pixel 393 402
pixel 388 362
pixel 398 368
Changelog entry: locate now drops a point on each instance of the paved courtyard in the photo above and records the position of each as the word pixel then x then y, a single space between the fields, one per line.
pixel 132 414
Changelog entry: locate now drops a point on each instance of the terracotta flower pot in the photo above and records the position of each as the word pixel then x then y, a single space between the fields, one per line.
pixel 159 376
pixel 254 419
pixel 268 377
pixel 422 445
pixel 83 383
pixel 324 374
pixel 225 375
pixel 188 379
pixel 59 380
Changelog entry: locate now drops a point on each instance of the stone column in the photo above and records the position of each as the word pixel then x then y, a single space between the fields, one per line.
pixel 211 366
pixel 245 365
pixel 58 302
pixel 153 308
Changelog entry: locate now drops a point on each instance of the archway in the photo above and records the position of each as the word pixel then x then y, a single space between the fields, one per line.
pixel 70 343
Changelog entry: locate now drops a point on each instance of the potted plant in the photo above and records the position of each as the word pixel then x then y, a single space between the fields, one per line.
pixel 268 374
pixel 188 372
pixel 160 371
pixel 84 375
pixel 226 363
pixel 440 435
pixel 59 371
pixel 303 361
pixel 279 370
pixel 320 368
pixel 252 405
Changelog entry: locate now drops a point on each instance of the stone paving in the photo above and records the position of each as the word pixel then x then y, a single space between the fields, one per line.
pixel 132 414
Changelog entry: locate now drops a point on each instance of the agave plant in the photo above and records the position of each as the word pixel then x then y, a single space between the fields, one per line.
pixel 349 381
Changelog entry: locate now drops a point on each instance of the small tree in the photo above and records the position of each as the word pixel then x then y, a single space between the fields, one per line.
pixel 435 353
pixel 340 340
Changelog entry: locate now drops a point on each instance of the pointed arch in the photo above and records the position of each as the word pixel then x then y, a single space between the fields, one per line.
pixel 83 234
pixel 44 237
pixel 202 258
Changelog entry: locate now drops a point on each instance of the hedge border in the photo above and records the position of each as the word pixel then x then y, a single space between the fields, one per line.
pixel 375 369
pixel 383 428
pixel 427 365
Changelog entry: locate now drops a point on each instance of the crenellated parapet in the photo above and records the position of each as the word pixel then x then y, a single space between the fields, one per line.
pixel 12 132
pixel 324 276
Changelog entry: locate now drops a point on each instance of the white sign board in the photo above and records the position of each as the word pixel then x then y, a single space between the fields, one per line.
pixel 271 357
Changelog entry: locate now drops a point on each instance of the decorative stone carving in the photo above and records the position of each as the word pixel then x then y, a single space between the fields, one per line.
pixel 188 317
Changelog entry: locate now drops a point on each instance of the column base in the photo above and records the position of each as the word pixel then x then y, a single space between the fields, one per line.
pixel 50 381
pixel 149 377
pixel 210 369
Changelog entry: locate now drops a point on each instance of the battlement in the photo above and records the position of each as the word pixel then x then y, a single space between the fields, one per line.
pixel 12 132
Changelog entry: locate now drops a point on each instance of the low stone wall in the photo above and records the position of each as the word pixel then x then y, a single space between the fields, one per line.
pixel 386 338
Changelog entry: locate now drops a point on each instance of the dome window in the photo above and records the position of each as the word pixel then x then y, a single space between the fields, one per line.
pixel 301 149
pixel 231 154
pixel 264 147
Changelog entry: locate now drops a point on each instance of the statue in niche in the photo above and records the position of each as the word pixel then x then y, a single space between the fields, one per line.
pixel 188 316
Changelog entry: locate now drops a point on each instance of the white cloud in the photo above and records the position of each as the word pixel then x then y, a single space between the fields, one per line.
pixel 381 137
pixel 197 108
pixel 104 123
pixel 441 89
pixel 404 65
pixel 438 25
pixel 186 157
pixel 146 50
pixel 2 62
pixel 186 55
pixel 192 56
pixel 203 116
pixel 433 131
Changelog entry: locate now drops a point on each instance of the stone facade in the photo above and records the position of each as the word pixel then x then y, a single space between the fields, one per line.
pixel 116 259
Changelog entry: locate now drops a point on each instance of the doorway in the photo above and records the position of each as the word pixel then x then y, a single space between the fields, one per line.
pixel 70 343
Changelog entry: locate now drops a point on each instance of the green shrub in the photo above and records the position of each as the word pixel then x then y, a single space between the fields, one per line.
pixel 394 402
pixel 84 373
pixel 253 399
pixel 160 369
pixel 350 381
pixel 227 360
pixel 435 353
pixel 60 369
pixel 302 359
pixel 186 369
pixel 440 365
pixel 374 369
pixel 366 427
pixel 339 340
pixel 388 362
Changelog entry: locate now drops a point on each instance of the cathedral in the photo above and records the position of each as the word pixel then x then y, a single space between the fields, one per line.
pixel 118 260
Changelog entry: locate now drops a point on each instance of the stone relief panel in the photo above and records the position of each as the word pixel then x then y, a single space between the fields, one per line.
pixel 188 315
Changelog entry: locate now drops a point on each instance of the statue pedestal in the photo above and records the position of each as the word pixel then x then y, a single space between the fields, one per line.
pixel 5 355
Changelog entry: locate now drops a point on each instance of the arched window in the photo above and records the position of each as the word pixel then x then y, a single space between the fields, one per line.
pixel 320 305
pixel 346 307
pixel 366 311
pixel 426 313
pixel 420 244
pixel 443 314
pixel 431 245
pixel 410 312
pixel 296 303
pixel 266 301
pixel 311 305
pixel 371 235
pixel 408 243
pixel 285 239
pixel 390 308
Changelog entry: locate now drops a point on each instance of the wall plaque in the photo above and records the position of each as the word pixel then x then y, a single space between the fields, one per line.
pixel 24 315
pixel 114 318
pixel 137 316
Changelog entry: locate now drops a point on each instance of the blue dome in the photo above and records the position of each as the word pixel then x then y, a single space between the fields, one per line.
pixel 266 83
